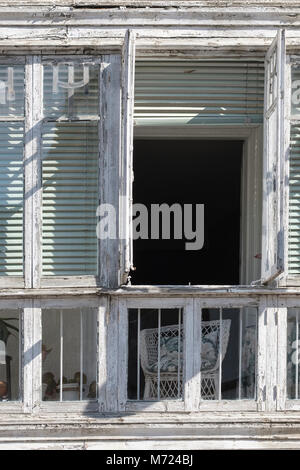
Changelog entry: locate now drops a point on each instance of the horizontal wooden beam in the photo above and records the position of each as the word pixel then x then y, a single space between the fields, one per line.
pixel 150 291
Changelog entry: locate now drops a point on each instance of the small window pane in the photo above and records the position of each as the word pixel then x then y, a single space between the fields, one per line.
pixel 70 198
pixel 293 349
pixel 155 362
pixel 71 90
pixel 69 354
pixel 9 355
pixel 12 91
pixel 11 199
pixel 228 353
pixel 295 97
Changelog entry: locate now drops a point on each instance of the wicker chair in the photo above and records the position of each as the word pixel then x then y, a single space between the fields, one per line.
pixel 171 381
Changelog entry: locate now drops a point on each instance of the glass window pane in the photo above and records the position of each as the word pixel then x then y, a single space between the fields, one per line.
pixel 248 338
pixel 69 354
pixel 295 97
pixel 70 198
pixel 293 349
pixel 11 199
pixel 12 91
pixel 9 355
pixel 155 367
pixel 228 353
pixel 71 90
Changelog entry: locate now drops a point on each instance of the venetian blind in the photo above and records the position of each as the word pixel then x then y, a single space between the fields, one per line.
pixel 294 178
pixel 202 92
pixel 11 169
pixel 294 202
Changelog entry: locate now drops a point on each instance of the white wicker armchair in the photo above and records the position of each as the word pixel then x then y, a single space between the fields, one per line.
pixel 170 371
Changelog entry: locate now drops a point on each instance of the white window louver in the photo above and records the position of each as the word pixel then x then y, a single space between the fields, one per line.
pixel 202 92
pixel 294 177
pixel 11 169
pixel 70 169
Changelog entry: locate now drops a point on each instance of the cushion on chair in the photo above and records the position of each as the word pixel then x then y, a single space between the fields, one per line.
pixel 209 350
pixel 169 353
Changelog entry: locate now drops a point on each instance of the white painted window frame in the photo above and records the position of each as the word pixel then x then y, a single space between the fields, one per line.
pixel 109 128
pixel 191 401
pixel 26 355
pixel 31 356
pixel 112 317
pixel 284 303
pixel 115 257
pixel 112 314
pixel 113 162
pixel 39 280
pixel 273 266
pixel 273 239
pixel 288 280
pixel 89 406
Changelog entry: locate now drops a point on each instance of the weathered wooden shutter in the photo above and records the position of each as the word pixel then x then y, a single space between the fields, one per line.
pixel 219 92
pixel 272 223
pixel 126 237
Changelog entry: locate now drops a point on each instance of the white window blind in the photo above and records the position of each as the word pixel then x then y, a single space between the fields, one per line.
pixel 70 181
pixel 11 169
pixel 202 92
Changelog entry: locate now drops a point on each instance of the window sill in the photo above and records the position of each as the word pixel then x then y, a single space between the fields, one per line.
pixel 80 407
pixel 179 406
pixel 69 281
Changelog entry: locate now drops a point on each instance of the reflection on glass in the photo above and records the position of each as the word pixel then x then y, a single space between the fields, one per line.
pixel 12 90
pixel 11 199
pixel 71 90
pixel 69 354
pixel 9 355
pixel 70 198
pixel 295 96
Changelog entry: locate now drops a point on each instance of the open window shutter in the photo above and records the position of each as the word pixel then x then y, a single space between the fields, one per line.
pixel 272 226
pixel 126 237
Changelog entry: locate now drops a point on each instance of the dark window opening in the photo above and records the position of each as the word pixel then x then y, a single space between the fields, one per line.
pixel 190 172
